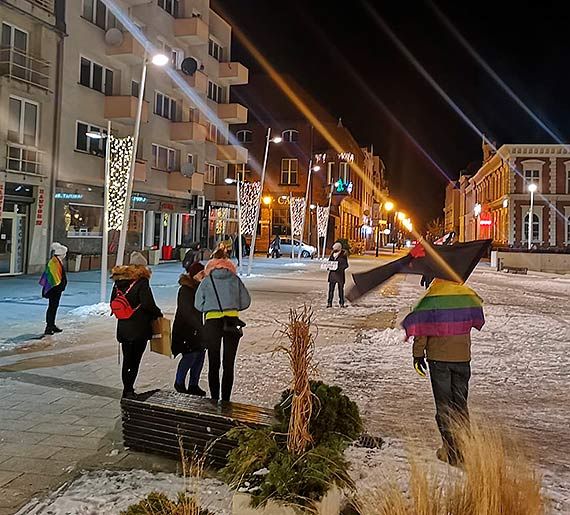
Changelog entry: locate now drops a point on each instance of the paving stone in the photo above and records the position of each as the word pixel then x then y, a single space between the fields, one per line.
pixel 47 467
pixel 17 425
pixel 61 429
pixel 99 422
pixel 31 483
pixel 69 454
pixel 12 499
pixel 39 407
pixel 75 442
pixel 56 418
pixel 12 414
pixel 8 450
pixel 21 437
pixel 8 475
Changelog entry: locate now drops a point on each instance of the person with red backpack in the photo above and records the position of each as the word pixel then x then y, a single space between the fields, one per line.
pixel 133 305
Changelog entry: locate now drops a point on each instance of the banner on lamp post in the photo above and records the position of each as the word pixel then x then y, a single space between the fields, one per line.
pixel 322 220
pixel 2 185
pixel 249 196
pixel 297 213
pixel 120 164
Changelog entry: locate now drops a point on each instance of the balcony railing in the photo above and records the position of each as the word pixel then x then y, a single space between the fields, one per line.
pixel 21 66
pixel 47 5
pixel 22 159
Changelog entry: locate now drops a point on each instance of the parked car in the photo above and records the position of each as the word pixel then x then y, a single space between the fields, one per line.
pixel 306 249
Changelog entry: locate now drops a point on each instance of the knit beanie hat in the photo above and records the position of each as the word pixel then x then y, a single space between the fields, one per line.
pixel 137 258
pixel 58 249
pixel 337 247
pixel 194 268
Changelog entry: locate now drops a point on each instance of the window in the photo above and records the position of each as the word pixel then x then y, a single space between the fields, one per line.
pixel 211 173
pixel 535 228
pixel 290 135
pixel 176 57
pixel 330 172
pixel 190 159
pixel 95 76
pixel 84 143
pixel 289 171
pixel 13 37
pixel 215 92
pixel 23 122
pixel 83 221
pixel 164 106
pixel 215 50
pixel 240 171
pixel 532 177
pixel 244 136
pixel 135 88
pixel 96 12
pixel 164 158
pixel 170 6
pixel 344 172
pixel 568 181
pixel 212 133
pixel 568 230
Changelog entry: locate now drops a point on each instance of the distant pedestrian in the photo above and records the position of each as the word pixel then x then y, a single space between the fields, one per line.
pixel 188 332
pixel 193 254
pixel 133 304
pixel 243 247
pixel 54 282
pixel 221 296
pixel 337 275
pixel 275 247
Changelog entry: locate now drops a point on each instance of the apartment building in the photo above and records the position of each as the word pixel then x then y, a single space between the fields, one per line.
pixel 494 202
pixel 182 153
pixel 31 33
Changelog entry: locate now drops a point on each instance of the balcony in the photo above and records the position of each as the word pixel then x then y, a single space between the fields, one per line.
pixel 22 67
pixel 46 5
pixel 141 169
pixel 232 113
pixel 177 182
pixel 193 31
pixel 232 154
pixel 233 74
pixel 187 132
pixel 22 159
pixel 123 109
pixel 198 81
pixel 134 3
pixel 130 51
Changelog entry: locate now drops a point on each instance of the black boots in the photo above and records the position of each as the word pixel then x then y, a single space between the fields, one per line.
pixel 52 329
pixel 180 388
pixel 196 390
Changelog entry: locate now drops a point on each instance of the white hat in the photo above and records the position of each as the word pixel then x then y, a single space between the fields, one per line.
pixel 337 246
pixel 137 258
pixel 58 249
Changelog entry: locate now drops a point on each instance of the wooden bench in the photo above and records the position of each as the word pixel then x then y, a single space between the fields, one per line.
pixel 515 270
pixel 159 421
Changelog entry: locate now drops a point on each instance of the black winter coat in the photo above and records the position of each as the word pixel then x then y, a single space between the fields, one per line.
pixel 188 329
pixel 337 276
pixel 138 328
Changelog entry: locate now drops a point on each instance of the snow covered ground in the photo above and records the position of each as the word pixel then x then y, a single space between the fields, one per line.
pixel 520 365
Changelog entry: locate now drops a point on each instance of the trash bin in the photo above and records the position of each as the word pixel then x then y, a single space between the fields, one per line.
pixel 153 257
pixel 74 263
pixel 167 252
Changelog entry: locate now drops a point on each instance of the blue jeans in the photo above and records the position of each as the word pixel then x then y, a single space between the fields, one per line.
pixel 191 362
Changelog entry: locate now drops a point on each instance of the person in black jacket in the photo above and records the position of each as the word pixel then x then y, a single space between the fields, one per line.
pixel 188 332
pixel 336 276
pixel 54 282
pixel 134 333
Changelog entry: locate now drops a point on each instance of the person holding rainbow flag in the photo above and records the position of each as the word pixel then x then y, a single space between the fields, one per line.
pixel 53 283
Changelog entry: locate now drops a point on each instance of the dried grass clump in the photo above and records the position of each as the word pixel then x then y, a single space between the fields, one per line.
pixel 301 353
pixel 495 480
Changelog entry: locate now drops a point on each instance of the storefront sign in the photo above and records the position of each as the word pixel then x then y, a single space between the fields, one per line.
pixel 40 211
pixel 68 196
pixel 166 206
pixel 138 198
pixel 1 199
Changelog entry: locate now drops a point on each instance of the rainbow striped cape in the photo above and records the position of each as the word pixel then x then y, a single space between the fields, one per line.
pixel 447 309
pixel 52 276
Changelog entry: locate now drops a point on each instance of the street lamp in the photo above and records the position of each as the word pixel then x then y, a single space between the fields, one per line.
pixel 268 140
pixel 312 169
pixel 157 60
pixel 532 188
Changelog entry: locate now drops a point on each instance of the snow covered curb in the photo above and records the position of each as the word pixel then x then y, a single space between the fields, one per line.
pixel 92 310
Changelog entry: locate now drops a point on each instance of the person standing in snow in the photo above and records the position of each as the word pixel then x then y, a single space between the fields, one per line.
pixel 275 247
pixel 134 332
pixel 54 282
pixel 221 296
pixel 188 332
pixel 337 275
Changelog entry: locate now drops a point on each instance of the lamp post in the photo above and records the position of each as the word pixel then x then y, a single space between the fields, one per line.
pixel 311 170
pixel 268 140
pixel 388 206
pixel 532 188
pixel 157 60
pixel 328 218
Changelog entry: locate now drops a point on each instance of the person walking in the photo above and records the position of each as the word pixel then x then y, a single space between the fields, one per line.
pixel 188 332
pixel 221 296
pixel 337 275
pixel 275 247
pixel 133 304
pixel 54 282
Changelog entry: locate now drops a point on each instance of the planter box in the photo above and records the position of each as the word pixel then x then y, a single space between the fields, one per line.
pixel 74 263
pixel 153 257
pixel 95 263
pixel 330 505
pixel 85 263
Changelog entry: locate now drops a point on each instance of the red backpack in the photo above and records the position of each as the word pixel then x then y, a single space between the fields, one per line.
pixel 120 305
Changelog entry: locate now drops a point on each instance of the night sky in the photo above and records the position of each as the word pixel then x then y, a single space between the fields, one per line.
pixel 341 56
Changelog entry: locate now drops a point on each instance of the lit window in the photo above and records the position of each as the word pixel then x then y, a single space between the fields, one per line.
pixel 95 76
pixel 289 169
pixel 344 172
pixel 83 221
pixel 240 171
pixel 244 136
pixel 330 172
pixel 290 135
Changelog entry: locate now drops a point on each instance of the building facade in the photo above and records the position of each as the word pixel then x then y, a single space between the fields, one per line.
pixel 183 149
pixel 31 33
pixel 495 202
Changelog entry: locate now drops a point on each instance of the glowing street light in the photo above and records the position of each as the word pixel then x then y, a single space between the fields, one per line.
pixel 160 60
pixel 389 205
pixel 401 216
pixel 267 200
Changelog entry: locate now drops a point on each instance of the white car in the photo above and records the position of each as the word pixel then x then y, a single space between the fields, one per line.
pixel 306 249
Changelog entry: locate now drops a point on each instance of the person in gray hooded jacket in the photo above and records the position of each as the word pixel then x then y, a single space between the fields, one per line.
pixel 221 296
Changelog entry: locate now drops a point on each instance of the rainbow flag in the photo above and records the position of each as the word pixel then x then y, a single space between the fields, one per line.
pixel 446 309
pixel 52 276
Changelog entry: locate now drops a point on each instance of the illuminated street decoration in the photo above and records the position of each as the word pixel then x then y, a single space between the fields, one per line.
pixel 119 166
pixel 297 211
pixel 322 220
pixel 249 193
pixel 222 215
pixel 342 186
pixel 321 158
pixel 346 156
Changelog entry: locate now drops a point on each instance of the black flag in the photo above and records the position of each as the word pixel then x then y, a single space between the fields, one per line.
pixel 457 260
